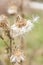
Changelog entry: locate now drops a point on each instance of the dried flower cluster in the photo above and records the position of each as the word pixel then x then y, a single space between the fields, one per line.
pixel 19 28
pixel 4 23
pixel 20 22
pixel 18 56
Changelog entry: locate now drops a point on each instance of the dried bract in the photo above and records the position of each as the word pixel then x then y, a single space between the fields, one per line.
pixel 17 56
pixel 4 23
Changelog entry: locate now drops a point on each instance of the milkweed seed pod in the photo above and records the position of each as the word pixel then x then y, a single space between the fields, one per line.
pixel 12 9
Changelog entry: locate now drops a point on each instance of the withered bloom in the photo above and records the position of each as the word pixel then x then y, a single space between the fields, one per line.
pixel 4 24
pixel 20 22
pixel 12 9
pixel 21 26
pixel 17 56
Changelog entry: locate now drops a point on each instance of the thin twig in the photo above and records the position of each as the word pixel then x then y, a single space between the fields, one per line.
pixel 22 42
pixel 10 47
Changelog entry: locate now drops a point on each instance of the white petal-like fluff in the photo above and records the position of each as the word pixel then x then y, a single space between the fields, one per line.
pixel 35 19
pixel 28 27
pixel 15 59
pixel 12 59
pixel 22 58
pixel 18 31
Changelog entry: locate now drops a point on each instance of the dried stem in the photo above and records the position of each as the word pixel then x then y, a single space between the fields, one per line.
pixel 10 47
pixel 21 8
pixel 22 42
pixel 10 41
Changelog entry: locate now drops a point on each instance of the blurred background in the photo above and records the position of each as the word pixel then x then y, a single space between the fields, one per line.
pixel 33 39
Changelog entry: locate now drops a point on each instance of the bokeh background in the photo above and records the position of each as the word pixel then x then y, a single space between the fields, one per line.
pixel 33 39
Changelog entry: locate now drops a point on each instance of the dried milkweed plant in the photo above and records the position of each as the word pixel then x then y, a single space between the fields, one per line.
pixel 18 29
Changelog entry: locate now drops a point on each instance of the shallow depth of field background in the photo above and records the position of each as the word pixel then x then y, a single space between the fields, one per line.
pixel 33 39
